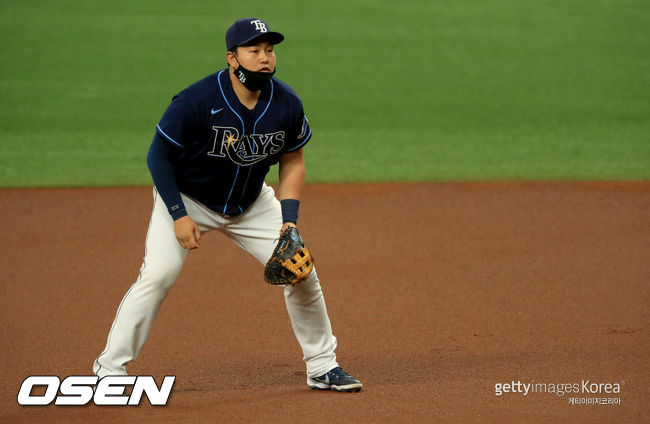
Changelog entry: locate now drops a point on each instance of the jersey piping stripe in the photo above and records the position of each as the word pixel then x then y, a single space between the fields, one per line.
pixel 168 137
pixel 250 168
pixel 231 189
pixel 226 100
pixel 243 130
pixel 301 144
pixel 265 109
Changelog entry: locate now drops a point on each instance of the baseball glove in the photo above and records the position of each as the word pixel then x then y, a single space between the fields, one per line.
pixel 291 262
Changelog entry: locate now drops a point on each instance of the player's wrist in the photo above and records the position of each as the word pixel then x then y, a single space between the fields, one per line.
pixel 178 213
pixel 290 210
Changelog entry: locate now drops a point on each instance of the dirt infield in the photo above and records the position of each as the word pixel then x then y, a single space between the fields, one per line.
pixel 437 293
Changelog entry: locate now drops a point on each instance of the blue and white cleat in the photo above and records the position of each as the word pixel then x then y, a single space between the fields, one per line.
pixel 335 379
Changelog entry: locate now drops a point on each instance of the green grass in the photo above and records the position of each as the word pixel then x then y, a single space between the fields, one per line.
pixel 394 91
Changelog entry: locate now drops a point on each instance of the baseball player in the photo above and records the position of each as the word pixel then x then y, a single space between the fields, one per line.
pixel 208 159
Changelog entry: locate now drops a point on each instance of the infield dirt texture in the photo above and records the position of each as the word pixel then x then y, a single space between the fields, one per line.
pixel 437 292
pixel 448 270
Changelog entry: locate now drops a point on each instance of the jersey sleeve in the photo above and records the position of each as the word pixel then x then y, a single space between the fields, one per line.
pixel 179 122
pixel 300 134
pixel 160 160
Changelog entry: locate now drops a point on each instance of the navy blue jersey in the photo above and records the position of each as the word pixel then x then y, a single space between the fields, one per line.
pixel 220 151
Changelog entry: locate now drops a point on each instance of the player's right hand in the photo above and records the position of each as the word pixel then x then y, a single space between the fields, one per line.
pixel 187 233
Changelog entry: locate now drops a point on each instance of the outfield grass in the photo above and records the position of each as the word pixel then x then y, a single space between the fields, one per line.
pixel 394 91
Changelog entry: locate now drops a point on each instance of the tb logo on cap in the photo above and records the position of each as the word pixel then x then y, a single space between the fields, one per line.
pixel 259 25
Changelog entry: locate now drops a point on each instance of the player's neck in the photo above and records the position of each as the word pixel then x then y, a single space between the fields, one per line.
pixel 246 97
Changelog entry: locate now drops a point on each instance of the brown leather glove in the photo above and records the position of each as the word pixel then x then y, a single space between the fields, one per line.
pixel 291 262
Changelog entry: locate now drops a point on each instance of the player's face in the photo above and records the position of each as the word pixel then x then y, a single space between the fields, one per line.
pixel 259 57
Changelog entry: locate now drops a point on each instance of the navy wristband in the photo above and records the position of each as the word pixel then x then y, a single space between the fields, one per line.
pixel 290 210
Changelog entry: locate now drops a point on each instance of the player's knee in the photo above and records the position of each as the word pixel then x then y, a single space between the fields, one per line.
pixel 308 290
pixel 160 275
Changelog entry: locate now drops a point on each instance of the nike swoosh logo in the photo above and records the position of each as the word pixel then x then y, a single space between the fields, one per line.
pixel 215 111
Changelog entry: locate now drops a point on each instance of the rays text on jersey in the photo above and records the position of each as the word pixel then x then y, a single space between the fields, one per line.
pixel 246 149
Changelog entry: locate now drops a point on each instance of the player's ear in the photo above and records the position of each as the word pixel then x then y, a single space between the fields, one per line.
pixel 230 57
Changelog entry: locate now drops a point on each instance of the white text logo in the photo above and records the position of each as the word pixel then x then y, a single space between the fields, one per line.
pixel 259 25
pixel 81 389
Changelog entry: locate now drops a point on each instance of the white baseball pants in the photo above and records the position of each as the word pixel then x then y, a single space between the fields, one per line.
pixel 256 231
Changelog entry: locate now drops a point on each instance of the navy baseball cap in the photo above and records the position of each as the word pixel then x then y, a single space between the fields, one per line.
pixel 246 30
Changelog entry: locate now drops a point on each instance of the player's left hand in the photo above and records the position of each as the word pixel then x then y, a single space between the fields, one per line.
pixel 290 262
pixel 287 225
